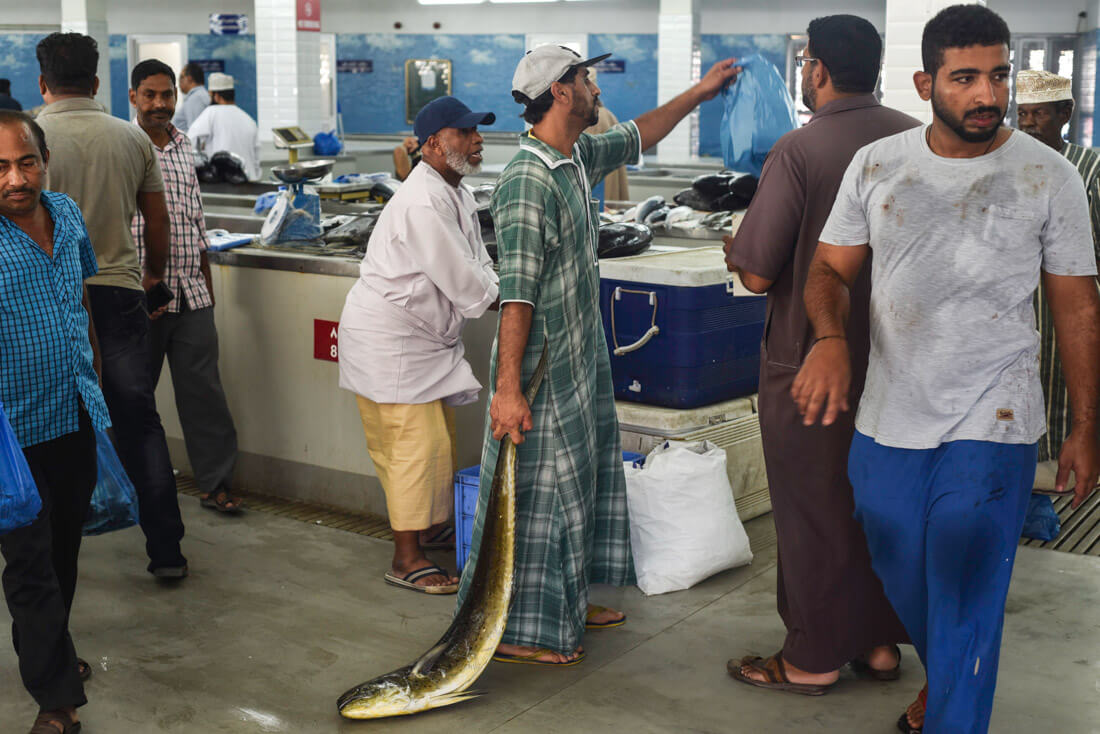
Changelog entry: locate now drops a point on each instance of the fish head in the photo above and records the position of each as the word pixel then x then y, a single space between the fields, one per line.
pixel 388 695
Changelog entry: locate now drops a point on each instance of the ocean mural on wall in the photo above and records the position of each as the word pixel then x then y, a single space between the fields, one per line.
pixel 19 64
pixel 481 76
pixel 715 47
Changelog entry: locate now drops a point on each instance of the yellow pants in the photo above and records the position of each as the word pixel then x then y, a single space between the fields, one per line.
pixel 413 450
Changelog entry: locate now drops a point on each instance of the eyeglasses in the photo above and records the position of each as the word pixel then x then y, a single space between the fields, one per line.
pixel 801 61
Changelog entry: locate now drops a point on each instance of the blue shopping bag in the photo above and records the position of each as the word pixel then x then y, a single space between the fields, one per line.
pixel 114 503
pixel 1042 522
pixel 19 500
pixel 758 111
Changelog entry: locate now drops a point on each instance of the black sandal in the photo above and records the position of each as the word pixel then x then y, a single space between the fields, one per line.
pixel 861 666
pixel 222 501
pixel 83 669
pixel 44 723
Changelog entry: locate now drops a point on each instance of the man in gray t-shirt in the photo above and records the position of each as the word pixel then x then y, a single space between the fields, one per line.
pixel 964 217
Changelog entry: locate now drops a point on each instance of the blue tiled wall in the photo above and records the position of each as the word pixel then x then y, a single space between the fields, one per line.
pixel 481 68
pixel 19 64
pixel 239 55
pixel 714 48
pixel 120 77
pixel 635 91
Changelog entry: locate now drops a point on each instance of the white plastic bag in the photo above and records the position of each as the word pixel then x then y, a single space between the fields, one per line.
pixel 683 523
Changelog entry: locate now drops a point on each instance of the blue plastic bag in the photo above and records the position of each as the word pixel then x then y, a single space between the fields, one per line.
pixel 759 111
pixel 1042 522
pixel 265 201
pixel 114 503
pixel 327 144
pixel 19 500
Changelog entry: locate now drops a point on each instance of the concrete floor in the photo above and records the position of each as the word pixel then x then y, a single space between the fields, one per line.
pixel 280 617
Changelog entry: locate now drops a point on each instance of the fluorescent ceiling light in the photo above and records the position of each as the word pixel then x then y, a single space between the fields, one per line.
pixel 450 2
pixel 510 2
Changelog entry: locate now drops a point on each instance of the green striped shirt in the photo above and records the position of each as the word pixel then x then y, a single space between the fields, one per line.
pixel 1087 161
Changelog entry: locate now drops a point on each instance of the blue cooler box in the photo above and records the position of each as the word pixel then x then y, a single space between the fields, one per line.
pixel 681 331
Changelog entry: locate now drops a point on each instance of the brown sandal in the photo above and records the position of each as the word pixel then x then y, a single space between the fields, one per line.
pixel 44 724
pixel 222 501
pixel 903 720
pixel 775 673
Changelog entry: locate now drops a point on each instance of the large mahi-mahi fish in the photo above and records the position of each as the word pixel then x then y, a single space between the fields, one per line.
pixel 442 675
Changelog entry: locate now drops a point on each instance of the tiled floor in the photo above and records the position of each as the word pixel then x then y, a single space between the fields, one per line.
pixel 279 617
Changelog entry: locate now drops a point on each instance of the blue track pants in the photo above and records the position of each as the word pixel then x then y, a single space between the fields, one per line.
pixel 942 526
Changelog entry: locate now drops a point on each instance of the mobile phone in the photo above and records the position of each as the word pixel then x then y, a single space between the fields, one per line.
pixel 158 296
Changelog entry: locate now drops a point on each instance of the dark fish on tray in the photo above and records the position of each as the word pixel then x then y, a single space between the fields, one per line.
pixel 713 184
pixel 356 232
pixel 695 199
pixel 625 238
pixel 657 216
pixel 443 675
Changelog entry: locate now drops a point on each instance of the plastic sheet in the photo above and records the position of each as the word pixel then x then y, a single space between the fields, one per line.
pixel 327 144
pixel 19 500
pixel 114 503
pixel 758 111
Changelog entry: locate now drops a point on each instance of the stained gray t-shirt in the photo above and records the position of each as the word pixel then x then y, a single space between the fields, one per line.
pixel 958 245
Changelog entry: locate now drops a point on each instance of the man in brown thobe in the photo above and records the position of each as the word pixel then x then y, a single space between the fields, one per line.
pixel 830 600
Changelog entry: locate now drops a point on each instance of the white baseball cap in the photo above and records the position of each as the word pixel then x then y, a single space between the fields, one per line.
pixel 545 65
pixel 219 82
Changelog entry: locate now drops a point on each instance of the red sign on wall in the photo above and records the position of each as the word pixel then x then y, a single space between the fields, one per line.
pixel 309 15
pixel 324 340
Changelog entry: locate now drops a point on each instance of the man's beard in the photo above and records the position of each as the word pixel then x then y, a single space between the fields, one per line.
pixel 590 116
pixel 461 165
pixel 809 94
pixel 957 125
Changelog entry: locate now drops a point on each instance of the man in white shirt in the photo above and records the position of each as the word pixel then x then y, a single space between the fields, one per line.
pixel 225 126
pixel 964 218
pixel 195 97
pixel 425 272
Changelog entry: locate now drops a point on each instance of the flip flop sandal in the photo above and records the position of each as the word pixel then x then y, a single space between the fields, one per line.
pixel 221 501
pixel 775 674
pixel 531 658
pixel 44 724
pixel 443 540
pixel 903 721
pixel 861 666
pixel 408 581
pixel 597 610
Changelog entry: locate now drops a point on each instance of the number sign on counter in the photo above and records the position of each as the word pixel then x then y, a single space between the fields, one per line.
pixel 324 340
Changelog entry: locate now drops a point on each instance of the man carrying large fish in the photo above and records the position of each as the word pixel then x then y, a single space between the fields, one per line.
pixel 571 526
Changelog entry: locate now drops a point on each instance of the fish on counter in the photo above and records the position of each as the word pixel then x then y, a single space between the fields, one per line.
pixel 647 207
pixel 442 676
pixel 623 239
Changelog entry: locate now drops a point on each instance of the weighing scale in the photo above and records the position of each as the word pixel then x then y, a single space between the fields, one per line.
pixel 292 139
pixel 296 216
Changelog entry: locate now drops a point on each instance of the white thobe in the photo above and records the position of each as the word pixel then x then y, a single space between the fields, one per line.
pixel 190 107
pixel 425 273
pixel 228 127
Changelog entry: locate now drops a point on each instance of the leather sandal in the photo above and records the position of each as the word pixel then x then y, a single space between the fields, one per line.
pixel 774 671
pixel 44 724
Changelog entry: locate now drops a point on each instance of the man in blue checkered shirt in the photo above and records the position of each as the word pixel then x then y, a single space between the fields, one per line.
pixel 49 387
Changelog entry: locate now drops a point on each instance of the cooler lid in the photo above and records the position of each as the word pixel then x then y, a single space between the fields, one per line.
pixel 658 421
pixel 691 267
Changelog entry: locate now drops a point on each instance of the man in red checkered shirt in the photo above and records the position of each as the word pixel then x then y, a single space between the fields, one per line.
pixel 184 331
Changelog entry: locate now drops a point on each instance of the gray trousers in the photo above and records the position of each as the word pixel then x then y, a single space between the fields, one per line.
pixel 190 341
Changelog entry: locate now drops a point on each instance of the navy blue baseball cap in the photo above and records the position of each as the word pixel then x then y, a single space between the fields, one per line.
pixel 447 112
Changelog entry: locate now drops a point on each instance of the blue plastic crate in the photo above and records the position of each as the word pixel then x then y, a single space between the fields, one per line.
pixel 467 482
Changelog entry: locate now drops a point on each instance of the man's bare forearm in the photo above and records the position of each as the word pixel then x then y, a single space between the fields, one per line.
pixel 515 328
pixel 1077 333
pixel 154 208
pixel 657 123
pixel 827 300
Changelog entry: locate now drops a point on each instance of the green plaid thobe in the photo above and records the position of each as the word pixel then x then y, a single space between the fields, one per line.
pixel 1055 393
pixel 571 518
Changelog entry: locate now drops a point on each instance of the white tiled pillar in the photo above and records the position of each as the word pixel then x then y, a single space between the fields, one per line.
pixel 905 20
pixel 678 69
pixel 90 18
pixel 288 70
